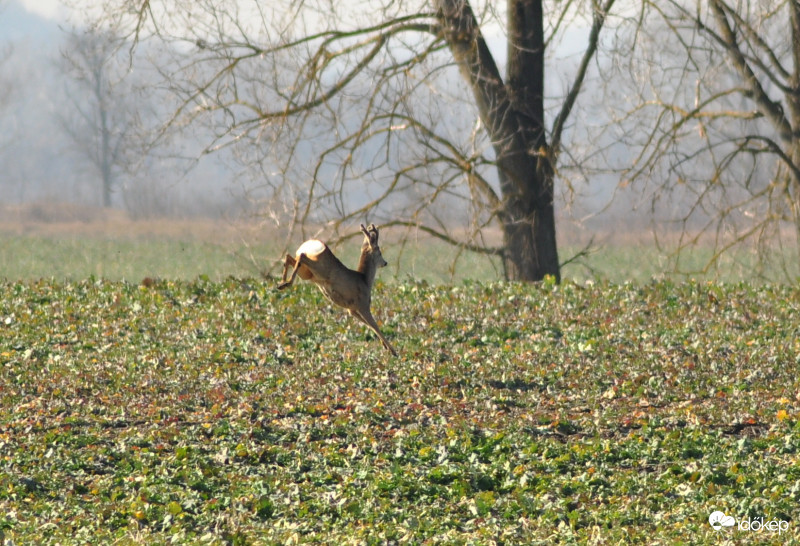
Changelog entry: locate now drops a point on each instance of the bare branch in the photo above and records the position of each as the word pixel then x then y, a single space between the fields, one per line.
pixel 446 238
pixel 478 67
pixel 772 110
pixel 599 17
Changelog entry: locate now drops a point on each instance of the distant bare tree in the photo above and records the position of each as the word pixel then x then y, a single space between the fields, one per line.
pixel 355 110
pixel 102 119
pixel 6 86
pixel 719 91
pixel 6 83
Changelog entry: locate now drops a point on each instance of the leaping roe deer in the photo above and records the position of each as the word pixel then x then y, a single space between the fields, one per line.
pixel 351 289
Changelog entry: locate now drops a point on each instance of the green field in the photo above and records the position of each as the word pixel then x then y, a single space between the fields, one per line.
pixel 132 258
pixel 225 412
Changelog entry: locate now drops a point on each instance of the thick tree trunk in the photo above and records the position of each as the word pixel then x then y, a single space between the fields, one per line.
pixel 528 216
pixel 527 175
pixel 513 113
pixel 529 240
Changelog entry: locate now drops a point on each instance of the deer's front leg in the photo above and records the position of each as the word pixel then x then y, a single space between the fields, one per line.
pixel 366 317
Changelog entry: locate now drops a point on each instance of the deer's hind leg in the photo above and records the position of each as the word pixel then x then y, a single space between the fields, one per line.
pixel 289 262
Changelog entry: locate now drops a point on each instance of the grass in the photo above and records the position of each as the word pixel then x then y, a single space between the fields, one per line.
pixel 224 412
pixel 78 256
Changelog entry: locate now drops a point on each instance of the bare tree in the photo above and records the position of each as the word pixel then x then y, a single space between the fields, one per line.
pixel 101 121
pixel 7 86
pixel 350 111
pixel 6 82
pixel 720 89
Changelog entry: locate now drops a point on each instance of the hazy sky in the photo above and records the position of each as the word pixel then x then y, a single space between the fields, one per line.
pixel 46 8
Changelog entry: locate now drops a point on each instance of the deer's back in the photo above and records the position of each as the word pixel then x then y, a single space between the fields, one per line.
pixel 327 267
pixel 342 285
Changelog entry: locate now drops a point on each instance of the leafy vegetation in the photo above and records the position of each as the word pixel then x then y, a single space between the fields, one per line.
pixel 202 412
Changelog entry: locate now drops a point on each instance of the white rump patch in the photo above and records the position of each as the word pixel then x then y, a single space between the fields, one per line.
pixel 311 247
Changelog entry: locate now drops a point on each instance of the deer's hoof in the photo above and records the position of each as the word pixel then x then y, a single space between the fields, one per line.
pixel 283 285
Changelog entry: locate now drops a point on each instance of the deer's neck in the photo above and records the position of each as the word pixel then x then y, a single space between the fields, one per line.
pixel 366 266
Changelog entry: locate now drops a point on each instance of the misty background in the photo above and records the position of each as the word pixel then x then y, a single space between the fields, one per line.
pixel 50 169
pixel 43 152
pixel 45 148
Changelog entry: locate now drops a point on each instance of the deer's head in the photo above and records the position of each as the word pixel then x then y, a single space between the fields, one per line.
pixel 370 246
